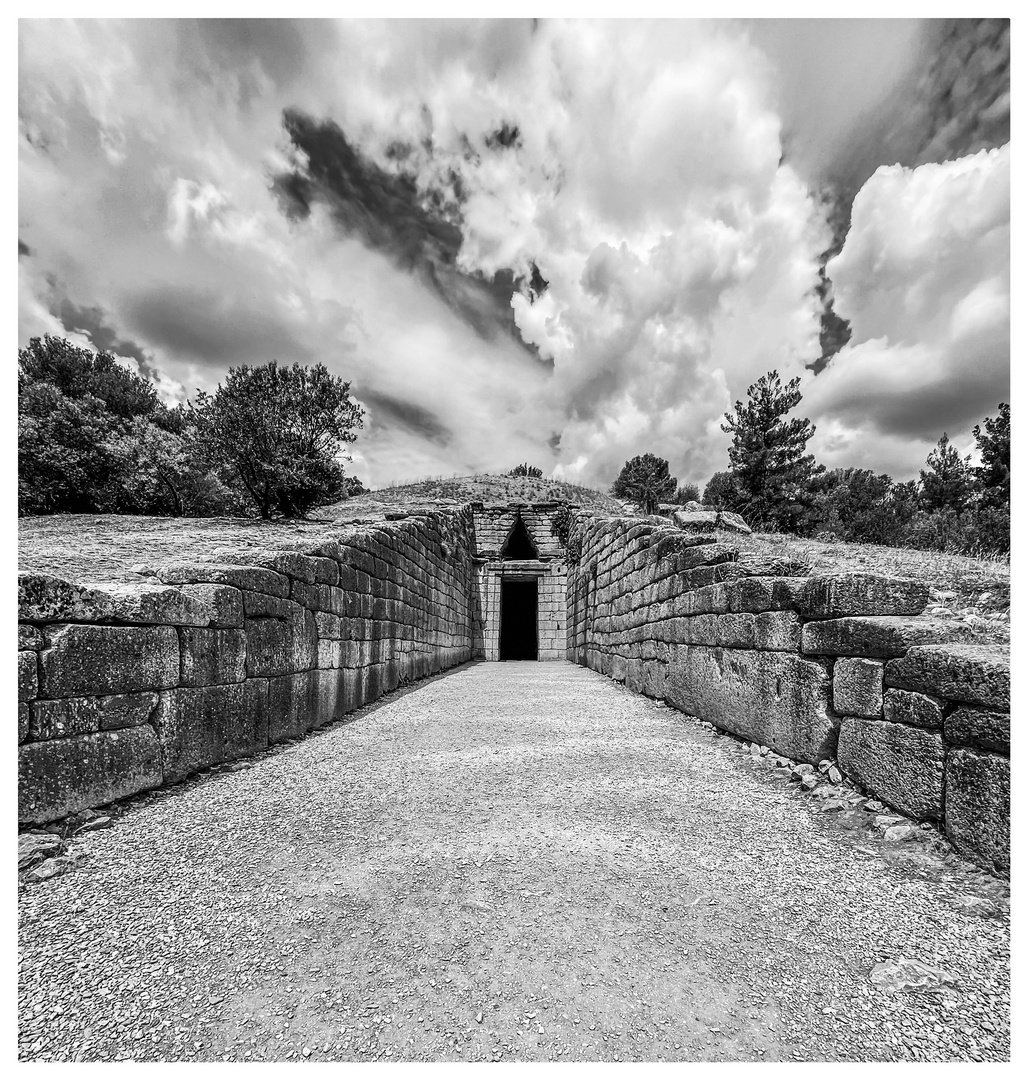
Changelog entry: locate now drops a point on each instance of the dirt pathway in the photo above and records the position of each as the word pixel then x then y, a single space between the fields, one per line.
pixel 509 862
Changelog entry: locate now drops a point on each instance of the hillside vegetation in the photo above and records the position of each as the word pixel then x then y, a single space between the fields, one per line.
pixel 104 547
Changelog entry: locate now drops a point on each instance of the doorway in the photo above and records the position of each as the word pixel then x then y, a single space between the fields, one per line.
pixel 519 619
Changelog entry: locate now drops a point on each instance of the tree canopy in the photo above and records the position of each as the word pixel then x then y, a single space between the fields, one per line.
pixel 279 431
pixel 645 480
pixel 771 469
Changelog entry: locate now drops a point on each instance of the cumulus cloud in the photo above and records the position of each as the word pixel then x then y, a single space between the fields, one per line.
pixel 924 278
pixel 566 243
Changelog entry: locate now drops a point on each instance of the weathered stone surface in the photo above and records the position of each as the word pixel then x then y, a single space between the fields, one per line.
pixel 256 578
pixel 983 728
pixel 870 635
pixel 972 674
pixel 29 637
pixel 328 598
pixel 918 710
pixel 857 687
pixel 62 776
pixel 64 717
pixel 24 718
pixel 281 645
pixel 33 848
pixel 832 596
pixel 224 602
pixel 309 568
pixel 96 660
pixel 28 678
pixel 978 806
pixel 330 626
pixel 780 631
pixel 202 726
pixel 710 519
pixel 759 594
pixel 901 765
pixel 210 657
pixel 774 699
pixel 704 555
pixel 44 598
pixel 734 631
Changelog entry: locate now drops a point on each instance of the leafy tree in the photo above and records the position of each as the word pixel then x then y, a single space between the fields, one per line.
pixel 948 481
pixel 857 506
pixel 78 373
pixel 525 470
pixel 646 481
pixel 721 492
pixel 994 448
pixel 686 493
pixel 279 431
pixel 771 471
pixel 67 456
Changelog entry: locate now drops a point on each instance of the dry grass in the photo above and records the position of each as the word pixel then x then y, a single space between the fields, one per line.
pixel 972 591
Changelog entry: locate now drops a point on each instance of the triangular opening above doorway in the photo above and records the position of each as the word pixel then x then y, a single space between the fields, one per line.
pixel 519 544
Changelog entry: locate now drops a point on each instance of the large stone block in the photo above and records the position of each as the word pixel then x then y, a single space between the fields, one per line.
pixel 255 578
pixel 972 674
pixel 309 568
pixel 881 636
pixel 710 519
pixel 281 645
pixel 29 637
pixel 776 699
pixel 757 594
pixel 978 806
pixel 45 598
pixel 899 764
pixel 62 776
pixel 64 717
pixel 857 687
pixel 28 677
pixel 202 726
pixel 210 657
pixel 96 660
pixel 909 707
pixel 292 701
pixel 779 631
pixel 983 728
pixel 734 631
pixel 225 603
pixel 835 595
pixel 24 721
pixel 329 598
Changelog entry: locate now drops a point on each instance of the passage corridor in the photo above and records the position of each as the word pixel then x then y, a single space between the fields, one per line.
pixel 514 861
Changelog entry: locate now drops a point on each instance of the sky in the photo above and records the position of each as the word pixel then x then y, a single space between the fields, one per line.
pixel 560 242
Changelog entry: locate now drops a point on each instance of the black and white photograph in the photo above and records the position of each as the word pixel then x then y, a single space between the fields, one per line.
pixel 513 537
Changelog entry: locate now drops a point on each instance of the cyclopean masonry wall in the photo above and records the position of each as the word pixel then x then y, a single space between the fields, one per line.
pixel 123 688
pixel 812 667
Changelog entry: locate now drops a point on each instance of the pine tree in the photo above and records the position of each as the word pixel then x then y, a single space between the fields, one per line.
pixel 646 481
pixel 947 482
pixel 771 471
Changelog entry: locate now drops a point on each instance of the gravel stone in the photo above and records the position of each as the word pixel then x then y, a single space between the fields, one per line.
pixel 651 897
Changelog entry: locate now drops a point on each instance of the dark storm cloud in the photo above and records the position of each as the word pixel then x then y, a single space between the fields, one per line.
pixel 215 329
pixel 390 411
pixel 385 211
pixel 93 322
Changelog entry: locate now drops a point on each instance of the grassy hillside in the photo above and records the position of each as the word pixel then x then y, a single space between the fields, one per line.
pixel 488 488
pixel 972 592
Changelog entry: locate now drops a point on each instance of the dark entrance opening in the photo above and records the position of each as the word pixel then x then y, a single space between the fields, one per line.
pixel 519 617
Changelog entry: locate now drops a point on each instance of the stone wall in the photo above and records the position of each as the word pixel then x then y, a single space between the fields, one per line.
pixel 841 667
pixel 122 688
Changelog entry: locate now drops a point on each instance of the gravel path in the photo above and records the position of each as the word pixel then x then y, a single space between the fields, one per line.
pixel 508 862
